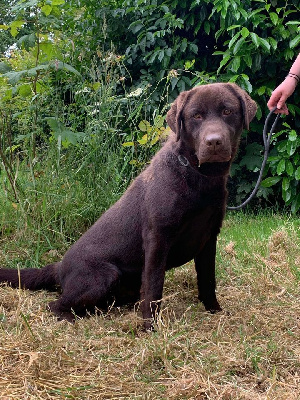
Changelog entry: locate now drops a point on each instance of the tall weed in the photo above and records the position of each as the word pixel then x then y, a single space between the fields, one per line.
pixel 83 162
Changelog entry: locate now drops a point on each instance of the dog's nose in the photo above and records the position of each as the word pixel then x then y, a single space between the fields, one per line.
pixel 213 141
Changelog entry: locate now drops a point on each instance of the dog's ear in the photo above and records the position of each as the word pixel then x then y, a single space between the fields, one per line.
pixel 249 106
pixel 174 115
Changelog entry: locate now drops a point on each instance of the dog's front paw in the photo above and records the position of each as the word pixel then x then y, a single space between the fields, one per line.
pixel 216 308
pixel 149 325
pixel 212 306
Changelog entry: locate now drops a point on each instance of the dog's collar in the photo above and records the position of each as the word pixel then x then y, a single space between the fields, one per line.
pixel 206 168
pixel 183 160
pixel 186 163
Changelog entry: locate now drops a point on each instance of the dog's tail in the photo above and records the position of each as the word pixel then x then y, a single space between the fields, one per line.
pixel 32 278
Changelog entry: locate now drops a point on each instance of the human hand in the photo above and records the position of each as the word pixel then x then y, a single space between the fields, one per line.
pixel 280 95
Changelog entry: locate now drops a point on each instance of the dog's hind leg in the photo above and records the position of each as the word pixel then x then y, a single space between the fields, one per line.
pixel 84 289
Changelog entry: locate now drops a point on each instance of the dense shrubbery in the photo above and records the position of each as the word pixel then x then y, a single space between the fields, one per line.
pixel 251 43
pixel 87 86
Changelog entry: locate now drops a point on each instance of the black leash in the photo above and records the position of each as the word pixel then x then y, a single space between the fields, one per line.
pixel 267 140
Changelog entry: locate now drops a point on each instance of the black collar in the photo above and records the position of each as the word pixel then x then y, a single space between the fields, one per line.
pixel 193 162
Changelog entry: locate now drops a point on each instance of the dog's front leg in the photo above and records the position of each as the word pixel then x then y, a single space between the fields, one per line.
pixel 153 279
pixel 205 268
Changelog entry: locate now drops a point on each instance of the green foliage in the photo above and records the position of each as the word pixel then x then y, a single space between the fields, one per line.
pixel 284 165
pixel 27 72
pixel 166 36
pixel 70 55
pixel 252 43
pixel 148 137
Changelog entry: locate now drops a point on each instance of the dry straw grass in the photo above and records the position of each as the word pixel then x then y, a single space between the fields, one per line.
pixel 249 351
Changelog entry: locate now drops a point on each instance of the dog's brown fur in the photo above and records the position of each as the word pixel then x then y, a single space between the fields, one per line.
pixel 171 214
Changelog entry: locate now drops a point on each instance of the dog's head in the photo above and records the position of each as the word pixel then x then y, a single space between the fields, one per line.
pixel 209 120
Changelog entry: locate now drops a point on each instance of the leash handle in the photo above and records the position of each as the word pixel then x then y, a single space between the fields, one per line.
pixel 267 140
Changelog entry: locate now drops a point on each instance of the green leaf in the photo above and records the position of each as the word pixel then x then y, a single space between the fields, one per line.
pixel 25 90
pixel 289 168
pixel 136 26
pixel 297 174
pixel 296 159
pixel 238 45
pixel 61 65
pixel 193 47
pixel 295 42
pixel 286 195
pixel 143 141
pixel 46 9
pixel 274 18
pixel 189 64
pixel 14 76
pixel 261 90
pixel 47 48
pixel 281 147
pixel 246 83
pixel 150 37
pixel 271 181
pixel 248 59
pixel 27 41
pixel 53 123
pixel 245 32
pixel 293 23
pixel 128 144
pixel 144 126
pixel 72 137
pixel 57 2
pixel 291 147
pixel 254 38
pixel 207 27
pixel 233 27
pixel 235 64
pixel 273 43
pixel 285 184
pixel 62 133
pixel 161 55
pixel 280 167
pixel 296 204
pixel 14 26
pixel 225 60
pixel 4 67
pixel 21 5
pixel 234 39
pixel 265 44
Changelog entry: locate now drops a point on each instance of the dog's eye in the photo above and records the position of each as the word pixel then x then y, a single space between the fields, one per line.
pixel 197 116
pixel 226 111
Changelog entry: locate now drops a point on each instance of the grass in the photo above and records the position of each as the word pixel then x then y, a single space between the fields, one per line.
pixel 251 350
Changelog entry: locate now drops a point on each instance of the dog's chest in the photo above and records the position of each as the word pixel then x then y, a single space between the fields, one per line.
pixel 192 234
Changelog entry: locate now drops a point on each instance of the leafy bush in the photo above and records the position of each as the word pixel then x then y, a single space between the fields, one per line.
pixel 284 165
pixel 140 54
pixel 252 43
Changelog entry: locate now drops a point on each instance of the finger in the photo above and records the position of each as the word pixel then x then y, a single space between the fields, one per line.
pixel 282 110
pixel 273 101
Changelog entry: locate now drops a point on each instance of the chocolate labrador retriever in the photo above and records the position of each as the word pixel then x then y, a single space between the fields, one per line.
pixel 171 214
